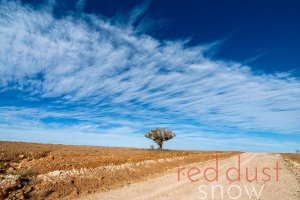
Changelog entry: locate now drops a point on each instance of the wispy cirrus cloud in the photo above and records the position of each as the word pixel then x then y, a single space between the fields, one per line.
pixel 98 70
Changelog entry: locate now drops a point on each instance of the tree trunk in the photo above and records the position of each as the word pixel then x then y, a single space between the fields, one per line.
pixel 160 145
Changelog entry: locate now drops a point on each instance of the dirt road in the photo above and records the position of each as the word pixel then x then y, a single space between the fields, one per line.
pixel 274 181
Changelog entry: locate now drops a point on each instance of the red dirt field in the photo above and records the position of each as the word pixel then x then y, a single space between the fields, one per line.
pixel 48 171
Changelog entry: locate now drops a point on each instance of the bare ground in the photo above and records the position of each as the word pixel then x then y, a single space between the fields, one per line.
pixel 45 171
pixel 292 162
pixel 167 186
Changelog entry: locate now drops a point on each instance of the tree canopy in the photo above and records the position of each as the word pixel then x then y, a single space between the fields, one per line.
pixel 160 135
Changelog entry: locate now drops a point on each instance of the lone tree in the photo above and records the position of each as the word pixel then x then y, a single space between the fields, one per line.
pixel 160 135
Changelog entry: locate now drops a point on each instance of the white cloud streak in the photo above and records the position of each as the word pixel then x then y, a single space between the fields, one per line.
pixel 100 66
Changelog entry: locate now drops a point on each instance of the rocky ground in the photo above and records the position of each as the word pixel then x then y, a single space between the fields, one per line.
pixel 46 171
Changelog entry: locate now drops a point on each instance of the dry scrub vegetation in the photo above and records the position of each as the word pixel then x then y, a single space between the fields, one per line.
pixel 45 171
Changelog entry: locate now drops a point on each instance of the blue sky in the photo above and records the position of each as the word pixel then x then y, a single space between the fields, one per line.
pixel 223 76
